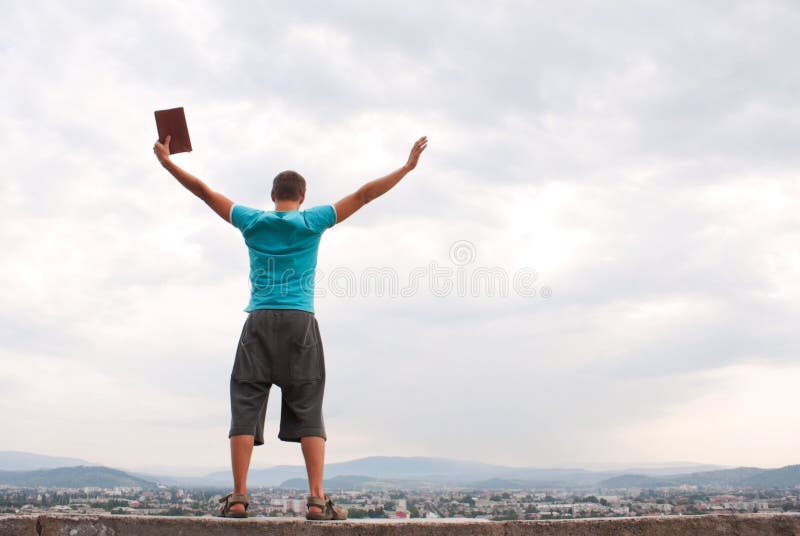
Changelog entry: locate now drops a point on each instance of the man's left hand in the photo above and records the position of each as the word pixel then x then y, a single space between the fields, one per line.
pixel 162 150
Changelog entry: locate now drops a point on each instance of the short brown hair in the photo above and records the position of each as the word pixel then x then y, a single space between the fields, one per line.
pixel 288 186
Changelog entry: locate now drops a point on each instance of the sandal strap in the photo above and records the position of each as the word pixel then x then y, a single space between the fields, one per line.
pixel 239 498
pixel 313 500
pixel 338 511
pixel 235 498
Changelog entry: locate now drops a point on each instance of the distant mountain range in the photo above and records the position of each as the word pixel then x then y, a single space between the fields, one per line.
pixel 73 477
pixel 15 460
pixel 381 472
pixel 740 477
pixel 433 472
pixel 429 471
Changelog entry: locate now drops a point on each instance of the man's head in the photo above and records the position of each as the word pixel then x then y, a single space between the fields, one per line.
pixel 288 186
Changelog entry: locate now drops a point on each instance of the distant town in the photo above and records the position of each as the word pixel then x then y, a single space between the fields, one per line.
pixel 493 505
pixel 396 487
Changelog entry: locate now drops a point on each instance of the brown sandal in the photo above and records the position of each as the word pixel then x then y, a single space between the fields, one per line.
pixel 234 498
pixel 329 510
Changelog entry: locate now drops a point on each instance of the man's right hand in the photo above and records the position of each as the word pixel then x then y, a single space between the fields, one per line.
pixel 375 188
pixel 416 150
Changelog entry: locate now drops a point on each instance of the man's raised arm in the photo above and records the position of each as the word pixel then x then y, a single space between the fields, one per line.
pixel 218 202
pixel 350 204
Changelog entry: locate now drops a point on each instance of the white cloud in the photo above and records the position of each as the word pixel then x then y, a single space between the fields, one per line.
pixel 743 405
pixel 641 159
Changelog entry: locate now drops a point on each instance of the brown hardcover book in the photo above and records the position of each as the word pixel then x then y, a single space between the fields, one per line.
pixel 172 122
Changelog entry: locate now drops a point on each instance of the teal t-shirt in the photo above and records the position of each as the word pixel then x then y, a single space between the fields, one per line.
pixel 283 254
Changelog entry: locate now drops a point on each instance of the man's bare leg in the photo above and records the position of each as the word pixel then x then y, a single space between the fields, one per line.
pixel 241 452
pixel 314 454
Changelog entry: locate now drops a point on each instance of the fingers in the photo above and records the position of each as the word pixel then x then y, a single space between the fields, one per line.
pixel 159 145
pixel 161 148
pixel 165 143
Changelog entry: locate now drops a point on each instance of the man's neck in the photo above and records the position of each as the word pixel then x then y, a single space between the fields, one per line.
pixel 286 206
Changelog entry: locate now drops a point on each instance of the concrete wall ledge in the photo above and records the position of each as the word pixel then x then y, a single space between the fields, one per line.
pixel 126 525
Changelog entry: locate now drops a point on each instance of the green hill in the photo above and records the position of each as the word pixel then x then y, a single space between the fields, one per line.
pixel 739 477
pixel 783 477
pixel 635 481
pixel 73 477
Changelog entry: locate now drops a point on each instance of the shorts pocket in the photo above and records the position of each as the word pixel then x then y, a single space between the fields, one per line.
pixel 305 360
pixel 249 363
pixel 246 363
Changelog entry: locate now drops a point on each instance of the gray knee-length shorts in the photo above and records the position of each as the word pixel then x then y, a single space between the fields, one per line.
pixel 281 347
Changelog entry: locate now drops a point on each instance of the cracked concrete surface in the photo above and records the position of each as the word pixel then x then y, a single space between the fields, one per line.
pixel 126 525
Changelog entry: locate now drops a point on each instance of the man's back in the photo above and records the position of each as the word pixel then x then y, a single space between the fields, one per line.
pixel 282 347
pixel 283 249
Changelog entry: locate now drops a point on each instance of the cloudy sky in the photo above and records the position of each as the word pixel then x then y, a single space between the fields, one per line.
pixel 628 172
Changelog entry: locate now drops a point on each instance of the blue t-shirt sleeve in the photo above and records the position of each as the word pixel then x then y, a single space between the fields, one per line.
pixel 242 217
pixel 321 217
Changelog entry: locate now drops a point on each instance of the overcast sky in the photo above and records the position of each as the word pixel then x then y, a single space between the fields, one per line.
pixel 630 171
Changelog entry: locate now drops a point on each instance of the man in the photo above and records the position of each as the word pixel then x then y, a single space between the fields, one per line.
pixel 280 342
